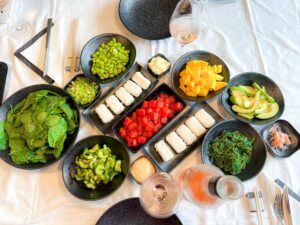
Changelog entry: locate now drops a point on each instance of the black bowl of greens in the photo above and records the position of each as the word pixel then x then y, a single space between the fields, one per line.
pixel 38 124
pixel 95 167
pixel 107 57
pixel 83 90
pixel 236 148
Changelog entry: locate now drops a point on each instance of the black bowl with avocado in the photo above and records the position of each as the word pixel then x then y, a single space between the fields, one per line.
pixel 253 98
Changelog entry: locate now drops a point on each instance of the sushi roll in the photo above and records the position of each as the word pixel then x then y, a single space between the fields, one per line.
pixel 195 126
pixel 114 104
pixel 204 118
pixel 186 134
pixel 124 96
pixel 140 80
pixel 104 114
pixel 176 142
pixel 164 150
pixel 133 88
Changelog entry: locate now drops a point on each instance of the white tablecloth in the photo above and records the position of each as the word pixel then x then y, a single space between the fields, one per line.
pixel 251 35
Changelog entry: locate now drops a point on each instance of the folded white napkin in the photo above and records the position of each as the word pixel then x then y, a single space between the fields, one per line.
pixel 36 52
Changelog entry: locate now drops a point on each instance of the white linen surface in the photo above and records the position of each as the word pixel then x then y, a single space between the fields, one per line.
pixel 261 36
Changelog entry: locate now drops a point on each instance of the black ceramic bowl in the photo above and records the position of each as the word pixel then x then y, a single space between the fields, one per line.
pixel 18 97
pixel 79 189
pixel 163 73
pixel 93 45
pixel 247 79
pixel 88 104
pixel 258 157
pixel 293 134
pixel 198 55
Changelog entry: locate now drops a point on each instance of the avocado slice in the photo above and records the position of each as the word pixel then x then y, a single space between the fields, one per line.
pixel 263 91
pixel 249 102
pixel 236 91
pixel 239 109
pixel 263 107
pixel 248 116
pixel 237 100
pixel 250 91
pixel 271 111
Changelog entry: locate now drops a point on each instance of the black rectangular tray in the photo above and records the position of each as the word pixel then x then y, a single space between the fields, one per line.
pixel 171 164
pixel 92 116
pixel 163 88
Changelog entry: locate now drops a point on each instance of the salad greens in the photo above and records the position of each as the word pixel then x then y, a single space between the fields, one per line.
pixel 3 137
pixel 231 151
pixel 38 126
pixel 96 165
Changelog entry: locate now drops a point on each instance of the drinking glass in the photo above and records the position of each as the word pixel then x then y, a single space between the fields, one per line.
pixel 17 29
pixel 159 195
pixel 184 24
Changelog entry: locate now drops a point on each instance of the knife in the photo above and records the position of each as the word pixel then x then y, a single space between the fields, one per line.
pixel 286 207
pixel 48 35
pixel 3 74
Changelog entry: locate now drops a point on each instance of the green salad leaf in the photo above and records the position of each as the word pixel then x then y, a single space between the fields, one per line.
pixel 3 137
pixel 38 126
pixel 231 151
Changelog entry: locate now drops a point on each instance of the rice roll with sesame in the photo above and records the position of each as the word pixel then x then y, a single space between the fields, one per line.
pixel 195 126
pixel 125 97
pixel 186 134
pixel 204 118
pixel 104 114
pixel 133 88
pixel 176 142
pixel 164 150
pixel 114 104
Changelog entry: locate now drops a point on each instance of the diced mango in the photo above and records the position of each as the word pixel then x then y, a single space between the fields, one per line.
pixel 198 63
pixel 219 77
pixel 219 70
pixel 220 85
pixel 203 92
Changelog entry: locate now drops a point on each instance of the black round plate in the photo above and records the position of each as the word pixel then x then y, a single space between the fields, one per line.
pixel 88 104
pixel 93 45
pixel 79 189
pixel 130 212
pixel 198 55
pixel 258 157
pixel 148 19
pixel 247 79
pixel 18 97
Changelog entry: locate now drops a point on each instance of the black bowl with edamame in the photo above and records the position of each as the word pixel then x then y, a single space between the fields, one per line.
pixel 117 68
pixel 79 188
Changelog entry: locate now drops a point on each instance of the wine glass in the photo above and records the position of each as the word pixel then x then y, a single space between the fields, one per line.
pixel 18 30
pixel 184 25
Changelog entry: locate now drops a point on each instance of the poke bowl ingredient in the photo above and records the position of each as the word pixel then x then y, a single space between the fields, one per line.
pixel 253 101
pixel 231 151
pixel 164 150
pixel 195 126
pixel 141 169
pixel 96 166
pixel 277 138
pixel 140 80
pixel 114 104
pixel 176 142
pixel 104 113
pixel 199 78
pixel 38 126
pixel 186 134
pixel 159 65
pixel 125 97
pixel 204 118
pixel 149 119
pixel 83 90
pixel 110 59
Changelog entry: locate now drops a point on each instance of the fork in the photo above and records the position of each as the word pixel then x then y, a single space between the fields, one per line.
pixel 278 208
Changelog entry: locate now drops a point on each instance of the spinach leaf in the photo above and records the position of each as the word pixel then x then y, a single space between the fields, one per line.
pixel 3 137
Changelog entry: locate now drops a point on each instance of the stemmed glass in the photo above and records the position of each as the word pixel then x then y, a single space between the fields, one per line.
pixel 184 23
pixel 17 29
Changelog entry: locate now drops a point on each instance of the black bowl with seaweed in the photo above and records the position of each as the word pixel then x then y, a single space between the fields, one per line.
pixel 234 160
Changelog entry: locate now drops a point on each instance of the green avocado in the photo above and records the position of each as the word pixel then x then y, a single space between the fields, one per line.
pixel 248 116
pixel 263 107
pixel 263 91
pixel 239 109
pixel 236 91
pixel 248 90
pixel 271 111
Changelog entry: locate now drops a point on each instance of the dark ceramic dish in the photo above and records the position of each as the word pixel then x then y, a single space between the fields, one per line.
pixel 247 79
pixel 79 189
pixel 179 157
pixel 92 116
pixel 162 74
pixel 93 45
pixel 293 134
pixel 18 97
pixel 198 55
pixel 258 157
pixel 88 104
pixel 148 19
pixel 163 88
pixel 3 75
pixel 130 212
